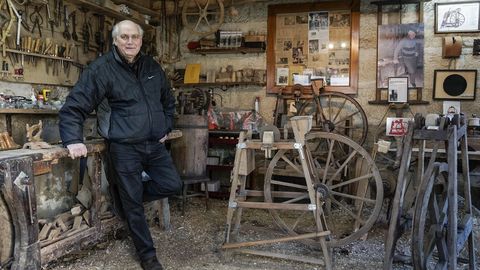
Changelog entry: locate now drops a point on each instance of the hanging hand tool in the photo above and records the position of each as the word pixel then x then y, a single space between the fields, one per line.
pixel 74 26
pixel 19 23
pixel 61 53
pixel 46 51
pixel 58 12
pixel 6 30
pixel 26 42
pixel 37 20
pixel 66 33
pixel 109 37
pixel 85 30
pixel 66 64
pixel 38 49
pixel 51 19
pixel 24 14
pixel 99 38
pixel 55 66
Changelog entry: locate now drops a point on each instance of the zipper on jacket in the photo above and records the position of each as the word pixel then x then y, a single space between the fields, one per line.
pixel 149 110
pixel 150 121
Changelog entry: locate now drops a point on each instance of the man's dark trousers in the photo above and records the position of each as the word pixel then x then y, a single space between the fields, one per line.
pixel 129 161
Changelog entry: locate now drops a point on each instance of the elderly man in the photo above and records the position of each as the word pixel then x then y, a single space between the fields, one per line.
pixel 408 52
pixel 141 106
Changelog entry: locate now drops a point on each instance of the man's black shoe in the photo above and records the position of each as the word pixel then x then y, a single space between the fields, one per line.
pixel 151 264
pixel 116 202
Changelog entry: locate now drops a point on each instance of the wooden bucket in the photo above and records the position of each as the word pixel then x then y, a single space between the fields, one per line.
pixel 190 151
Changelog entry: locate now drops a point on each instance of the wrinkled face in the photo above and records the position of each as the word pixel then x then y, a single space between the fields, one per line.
pixel 128 41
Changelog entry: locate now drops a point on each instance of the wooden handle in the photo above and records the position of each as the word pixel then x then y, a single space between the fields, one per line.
pixel 38 46
pixel 29 44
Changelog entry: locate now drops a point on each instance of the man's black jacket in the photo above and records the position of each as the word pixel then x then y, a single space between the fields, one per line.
pixel 142 105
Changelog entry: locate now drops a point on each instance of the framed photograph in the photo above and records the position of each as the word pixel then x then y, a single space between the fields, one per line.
pixel 451 107
pixel 400 54
pixel 301 79
pixel 398 89
pixel 282 76
pixel 457 17
pixel 454 84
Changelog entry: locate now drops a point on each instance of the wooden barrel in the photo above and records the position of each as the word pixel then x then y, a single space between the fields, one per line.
pixel 189 152
pixel 6 233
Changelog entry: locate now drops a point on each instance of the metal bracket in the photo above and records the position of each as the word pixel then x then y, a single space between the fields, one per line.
pixel 299 147
pixel 22 180
pixel 312 207
pixel 241 145
pixel 232 204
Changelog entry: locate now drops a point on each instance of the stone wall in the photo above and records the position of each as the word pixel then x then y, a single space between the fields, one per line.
pixel 253 17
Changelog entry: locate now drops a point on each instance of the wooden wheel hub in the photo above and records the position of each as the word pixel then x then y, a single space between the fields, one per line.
pixel 323 190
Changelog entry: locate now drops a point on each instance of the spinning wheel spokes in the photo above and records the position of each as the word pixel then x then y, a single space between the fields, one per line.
pixel 338 113
pixel 204 17
pixel 351 197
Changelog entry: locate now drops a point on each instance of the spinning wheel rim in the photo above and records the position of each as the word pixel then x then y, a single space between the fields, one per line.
pixel 202 14
pixel 365 221
pixel 331 120
pixel 422 248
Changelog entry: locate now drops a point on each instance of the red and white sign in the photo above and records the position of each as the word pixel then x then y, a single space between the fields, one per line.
pixel 397 126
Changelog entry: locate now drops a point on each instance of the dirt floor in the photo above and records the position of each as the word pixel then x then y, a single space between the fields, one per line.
pixel 195 239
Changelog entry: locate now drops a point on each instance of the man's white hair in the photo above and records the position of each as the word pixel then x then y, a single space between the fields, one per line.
pixel 116 29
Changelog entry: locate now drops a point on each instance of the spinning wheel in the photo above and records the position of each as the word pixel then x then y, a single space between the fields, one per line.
pixel 204 17
pixel 350 185
pixel 442 227
pixel 338 113
pixel 430 221
pixel 6 234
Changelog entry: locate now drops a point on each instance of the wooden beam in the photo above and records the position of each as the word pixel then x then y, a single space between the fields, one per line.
pixel 276 240
pixel 282 256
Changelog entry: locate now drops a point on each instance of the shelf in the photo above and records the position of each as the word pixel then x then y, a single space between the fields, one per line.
pixel 219 167
pixel 109 12
pixel 215 141
pixel 397 2
pixel 28 111
pixel 44 56
pixel 385 102
pixel 218 84
pixel 224 132
pixel 242 50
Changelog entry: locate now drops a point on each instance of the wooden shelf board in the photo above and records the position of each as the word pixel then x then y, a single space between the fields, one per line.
pixel 385 102
pixel 220 167
pixel 242 50
pixel 28 111
pixel 217 84
pixel 397 2
pixel 44 56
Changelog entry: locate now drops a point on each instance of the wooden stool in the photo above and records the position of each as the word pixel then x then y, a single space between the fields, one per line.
pixel 190 181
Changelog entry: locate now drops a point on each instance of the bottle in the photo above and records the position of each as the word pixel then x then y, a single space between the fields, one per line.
pixel 40 101
pixel 34 99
